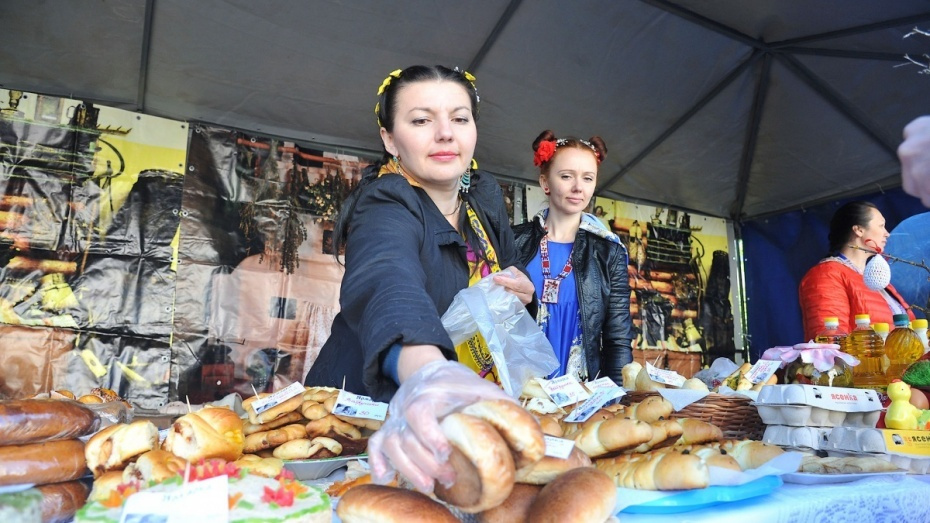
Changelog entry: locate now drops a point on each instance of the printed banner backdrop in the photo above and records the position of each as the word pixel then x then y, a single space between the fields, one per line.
pixel 680 281
pixel 89 208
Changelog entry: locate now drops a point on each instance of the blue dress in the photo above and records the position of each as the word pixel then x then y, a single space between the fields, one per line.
pixel 561 322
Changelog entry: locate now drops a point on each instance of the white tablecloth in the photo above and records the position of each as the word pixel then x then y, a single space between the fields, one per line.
pixel 891 499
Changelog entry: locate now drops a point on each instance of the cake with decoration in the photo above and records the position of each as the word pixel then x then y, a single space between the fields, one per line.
pixel 252 498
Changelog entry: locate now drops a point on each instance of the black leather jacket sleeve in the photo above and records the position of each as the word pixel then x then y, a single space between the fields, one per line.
pixel 617 333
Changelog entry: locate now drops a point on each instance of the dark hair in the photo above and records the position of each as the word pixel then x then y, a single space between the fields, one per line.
pixel 599 147
pixel 849 215
pixel 386 110
pixel 387 100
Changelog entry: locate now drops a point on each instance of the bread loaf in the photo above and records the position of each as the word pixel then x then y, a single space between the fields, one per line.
pixel 697 431
pixel 113 447
pixel 42 463
pixel 664 432
pixel 211 432
pixel 34 420
pixel 656 470
pixel 583 495
pixel 370 503
pixel 518 427
pixel 61 500
pixel 483 464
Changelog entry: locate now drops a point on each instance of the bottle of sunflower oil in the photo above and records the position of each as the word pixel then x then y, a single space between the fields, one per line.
pixel 902 347
pixel 867 346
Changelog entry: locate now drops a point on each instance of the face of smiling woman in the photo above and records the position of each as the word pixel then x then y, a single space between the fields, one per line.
pixel 434 133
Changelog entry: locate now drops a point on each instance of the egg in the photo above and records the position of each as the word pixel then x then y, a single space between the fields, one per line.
pixel 919 399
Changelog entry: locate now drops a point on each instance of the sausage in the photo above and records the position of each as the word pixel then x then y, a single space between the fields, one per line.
pixel 42 463
pixel 60 501
pixel 35 420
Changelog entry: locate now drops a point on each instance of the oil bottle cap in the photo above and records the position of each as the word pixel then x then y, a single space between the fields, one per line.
pixel 831 319
pixel 901 320
pixel 863 318
pixel 919 324
pixel 880 327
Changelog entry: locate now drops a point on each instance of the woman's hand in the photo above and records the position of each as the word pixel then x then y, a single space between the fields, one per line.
pixel 516 283
pixel 411 441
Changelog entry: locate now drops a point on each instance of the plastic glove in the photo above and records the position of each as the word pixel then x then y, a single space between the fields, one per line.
pixel 411 441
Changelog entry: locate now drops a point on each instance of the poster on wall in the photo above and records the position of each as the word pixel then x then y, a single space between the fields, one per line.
pixel 89 213
pixel 680 283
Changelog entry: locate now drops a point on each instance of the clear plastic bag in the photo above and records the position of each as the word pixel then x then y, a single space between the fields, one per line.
pixel 519 348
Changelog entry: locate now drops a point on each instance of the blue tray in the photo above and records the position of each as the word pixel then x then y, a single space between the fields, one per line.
pixel 689 500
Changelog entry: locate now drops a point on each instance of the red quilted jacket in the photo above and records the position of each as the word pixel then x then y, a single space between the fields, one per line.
pixel 831 288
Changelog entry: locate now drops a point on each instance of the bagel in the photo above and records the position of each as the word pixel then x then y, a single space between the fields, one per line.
pixel 483 464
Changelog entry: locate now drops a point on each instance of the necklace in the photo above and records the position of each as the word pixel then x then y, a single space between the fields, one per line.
pixel 456 209
pixel 550 293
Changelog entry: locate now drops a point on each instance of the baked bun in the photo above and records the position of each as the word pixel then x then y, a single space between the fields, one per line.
pixel 603 437
pixel 288 405
pixel 751 454
pixel 211 432
pixel 381 504
pixel 154 465
pixel 113 447
pixel 518 427
pixel 656 470
pixel 483 464
pixel 651 408
pixel 104 484
pixel 550 425
pixel 583 495
pixel 303 448
pixel 274 438
pixel 330 425
pixel 288 419
pixel 515 508
pixel 697 431
pixel 548 468
pixel 268 467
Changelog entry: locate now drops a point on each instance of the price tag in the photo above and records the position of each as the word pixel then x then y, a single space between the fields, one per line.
pixel 355 406
pixel 600 383
pixel 564 390
pixel 667 377
pixel 262 404
pixel 762 370
pixel 558 447
pixel 597 400
pixel 193 502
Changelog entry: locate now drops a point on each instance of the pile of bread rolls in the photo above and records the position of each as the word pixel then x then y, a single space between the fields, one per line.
pixel 304 427
pixel 502 474
pixel 39 445
pixel 636 378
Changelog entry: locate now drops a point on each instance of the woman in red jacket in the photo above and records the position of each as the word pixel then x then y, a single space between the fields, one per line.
pixel 835 287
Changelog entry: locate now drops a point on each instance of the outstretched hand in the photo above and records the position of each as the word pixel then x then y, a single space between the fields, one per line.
pixel 516 283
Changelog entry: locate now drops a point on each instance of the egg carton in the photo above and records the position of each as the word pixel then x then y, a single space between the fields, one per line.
pixel 905 448
pixel 914 465
pixel 810 416
pixel 803 438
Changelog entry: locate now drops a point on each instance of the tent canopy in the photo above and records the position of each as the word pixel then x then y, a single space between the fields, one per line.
pixel 729 108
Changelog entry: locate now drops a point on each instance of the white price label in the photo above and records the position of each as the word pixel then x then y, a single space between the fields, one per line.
pixel 193 502
pixel 355 406
pixel 667 377
pixel 262 404
pixel 564 390
pixel 762 370
pixel 558 447
pixel 600 383
pixel 597 400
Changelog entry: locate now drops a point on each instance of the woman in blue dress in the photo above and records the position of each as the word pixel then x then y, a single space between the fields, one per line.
pixel 578 266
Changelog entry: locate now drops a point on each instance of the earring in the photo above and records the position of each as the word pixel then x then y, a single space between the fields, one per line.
pixel 465 182
pixel 546 190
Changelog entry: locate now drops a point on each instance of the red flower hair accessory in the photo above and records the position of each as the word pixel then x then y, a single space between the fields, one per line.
pixel 544 152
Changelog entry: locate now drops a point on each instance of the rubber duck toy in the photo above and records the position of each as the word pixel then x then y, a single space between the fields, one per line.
pixel 901 414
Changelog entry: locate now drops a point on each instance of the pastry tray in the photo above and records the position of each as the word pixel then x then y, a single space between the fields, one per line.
pixel 689 500
pixel 308 469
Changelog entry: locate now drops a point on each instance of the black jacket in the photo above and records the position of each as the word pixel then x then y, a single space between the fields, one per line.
pixel 404 264
pixel 602 280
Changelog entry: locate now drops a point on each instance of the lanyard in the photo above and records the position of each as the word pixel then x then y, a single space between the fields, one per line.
pixel 550 292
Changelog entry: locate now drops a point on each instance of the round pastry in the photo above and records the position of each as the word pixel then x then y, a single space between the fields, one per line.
pixel 515 508
pixel 369 503
pixel 548 468
pixel 519 428
pixel 483 464
pixel 579 495
pixel 251 497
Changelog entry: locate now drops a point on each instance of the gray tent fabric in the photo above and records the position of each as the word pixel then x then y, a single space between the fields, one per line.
pixel 728 108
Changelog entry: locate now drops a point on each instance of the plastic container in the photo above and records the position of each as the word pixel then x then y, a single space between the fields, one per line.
pixel 920 327
pixel 902 347
pixel 881 329
pixel 865 344
pixel 831 332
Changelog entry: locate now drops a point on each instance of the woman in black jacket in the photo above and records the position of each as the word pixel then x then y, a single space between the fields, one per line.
pixel 579 268
pixel 420 227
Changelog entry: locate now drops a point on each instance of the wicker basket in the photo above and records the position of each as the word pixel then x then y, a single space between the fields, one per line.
pixel 736 416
